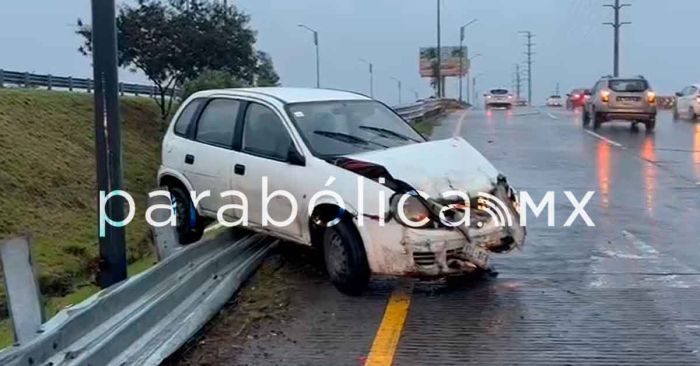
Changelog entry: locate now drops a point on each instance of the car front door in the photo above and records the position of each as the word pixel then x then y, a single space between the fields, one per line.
pixel 208 160
pixel 264 143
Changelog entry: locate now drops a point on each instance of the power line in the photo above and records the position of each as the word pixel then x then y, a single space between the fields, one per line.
pixel 616 34
pixel 529 53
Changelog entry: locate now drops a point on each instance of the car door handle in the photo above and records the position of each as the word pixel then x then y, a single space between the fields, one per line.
pixel 189 159
pixel 239 169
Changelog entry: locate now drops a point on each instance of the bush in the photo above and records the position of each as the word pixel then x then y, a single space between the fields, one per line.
pixel 212 79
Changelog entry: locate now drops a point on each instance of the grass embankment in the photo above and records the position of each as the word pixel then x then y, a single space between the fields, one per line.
pixel 47 184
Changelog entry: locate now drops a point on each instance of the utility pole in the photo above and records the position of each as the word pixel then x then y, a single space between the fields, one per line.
pixel 518 81
pixel 108 145
pixel 399 84
pixel 529 54
pixel 318 58
pixel 616 34
pixel 371 77
pixel 438 77
pixel 556 91
pixel 461 55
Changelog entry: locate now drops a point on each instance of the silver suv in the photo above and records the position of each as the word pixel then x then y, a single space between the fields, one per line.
pixel 629 99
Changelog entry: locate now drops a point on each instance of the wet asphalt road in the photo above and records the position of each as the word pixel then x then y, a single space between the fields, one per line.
pixel 626 291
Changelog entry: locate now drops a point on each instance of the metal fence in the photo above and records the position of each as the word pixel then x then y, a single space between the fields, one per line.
pixel 50 82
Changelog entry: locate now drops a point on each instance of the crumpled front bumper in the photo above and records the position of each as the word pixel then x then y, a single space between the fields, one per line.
pixel 395 249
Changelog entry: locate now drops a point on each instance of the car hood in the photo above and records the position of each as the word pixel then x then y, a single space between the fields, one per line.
pixel 436 167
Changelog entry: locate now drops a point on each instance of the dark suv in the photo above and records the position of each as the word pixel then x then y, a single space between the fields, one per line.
pixel 628 99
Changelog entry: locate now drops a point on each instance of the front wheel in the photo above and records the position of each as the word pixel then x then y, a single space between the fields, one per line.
pixel 345 257
pixel 189 225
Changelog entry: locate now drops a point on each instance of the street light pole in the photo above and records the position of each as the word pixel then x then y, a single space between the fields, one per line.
pixel 399 84
pixel 371 77
pixel 318 57
pixel 438 77
pixel 616 34
pixel 461 56
pixel 474 87
pixel 108 147
pixel 469 73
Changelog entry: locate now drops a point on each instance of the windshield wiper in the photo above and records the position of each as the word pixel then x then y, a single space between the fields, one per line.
pixel 344 137
pixel 384 131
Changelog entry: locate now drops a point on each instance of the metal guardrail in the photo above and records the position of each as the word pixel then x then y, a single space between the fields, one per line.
pixel 421 109
pixel 50 82
pixel 146 318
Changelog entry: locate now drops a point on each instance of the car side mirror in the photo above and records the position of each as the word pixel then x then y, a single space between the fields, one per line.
pixel 294 157
pixel 679 94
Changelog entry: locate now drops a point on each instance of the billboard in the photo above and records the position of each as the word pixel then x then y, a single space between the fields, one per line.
pixel 449 58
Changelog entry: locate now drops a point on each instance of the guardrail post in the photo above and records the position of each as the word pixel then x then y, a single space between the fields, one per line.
pixel 22 289
pixel 89 85
pixel 26 80
pixel 2 78
pixel 70 83
pixel 121 88
pixel 49 83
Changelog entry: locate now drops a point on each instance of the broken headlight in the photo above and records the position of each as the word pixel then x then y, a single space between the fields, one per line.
pixel 409 210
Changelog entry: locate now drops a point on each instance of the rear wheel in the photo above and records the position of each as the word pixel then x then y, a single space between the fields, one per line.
pixel 691 114
pixel 597 120
pixel 345 257
pixel 586 118
pixel 650 125
pixel 190 226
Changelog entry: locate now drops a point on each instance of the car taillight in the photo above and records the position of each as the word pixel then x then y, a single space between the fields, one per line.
pixel 651 97
pixel 605 96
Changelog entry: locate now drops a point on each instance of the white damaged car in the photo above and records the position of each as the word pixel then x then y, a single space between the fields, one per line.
pixel 340 172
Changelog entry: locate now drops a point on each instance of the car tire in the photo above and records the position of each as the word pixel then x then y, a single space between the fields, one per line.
pixel 345 258
pixel 650 125
pixel 586 117
pixel 676 116
pixel 597 120
pixel 691 114
pixel 190 226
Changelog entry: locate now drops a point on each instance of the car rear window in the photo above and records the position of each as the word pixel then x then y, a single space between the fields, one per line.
pixel 499 91
pixel 632 85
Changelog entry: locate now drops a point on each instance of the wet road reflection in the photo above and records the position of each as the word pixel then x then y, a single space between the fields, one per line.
pixel 649 173
pixel 696 151
pixel 603 162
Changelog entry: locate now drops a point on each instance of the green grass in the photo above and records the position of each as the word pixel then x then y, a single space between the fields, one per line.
pixel 47 180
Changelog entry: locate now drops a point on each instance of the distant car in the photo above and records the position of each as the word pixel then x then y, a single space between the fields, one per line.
pixel 688 102
pixel 628 99
pixel 577 98
pixel 554 101
pixel 498 98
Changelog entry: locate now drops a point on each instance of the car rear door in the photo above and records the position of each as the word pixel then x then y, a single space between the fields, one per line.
pixel 208 161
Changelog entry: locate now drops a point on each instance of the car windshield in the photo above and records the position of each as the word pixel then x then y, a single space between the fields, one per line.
pixel 633 85
pixel 336 128
pixel 499 91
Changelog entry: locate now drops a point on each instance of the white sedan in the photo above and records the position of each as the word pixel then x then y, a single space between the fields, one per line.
pixel 341 172
pixel 554 101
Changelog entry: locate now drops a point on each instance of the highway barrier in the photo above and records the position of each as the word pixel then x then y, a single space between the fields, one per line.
pixel 146 318
pixel 426 108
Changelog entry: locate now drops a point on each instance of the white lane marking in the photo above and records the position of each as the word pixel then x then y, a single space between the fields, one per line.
pixel 552 116
pixel 640 244
pixel 611 142
pixel 458 128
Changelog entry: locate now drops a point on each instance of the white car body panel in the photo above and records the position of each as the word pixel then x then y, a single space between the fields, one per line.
pixel 432 167
pixel 686 102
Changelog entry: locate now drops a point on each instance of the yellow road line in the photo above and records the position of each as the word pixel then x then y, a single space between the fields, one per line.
pixel 387 338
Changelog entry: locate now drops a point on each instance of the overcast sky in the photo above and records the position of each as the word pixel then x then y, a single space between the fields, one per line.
pixel 572 46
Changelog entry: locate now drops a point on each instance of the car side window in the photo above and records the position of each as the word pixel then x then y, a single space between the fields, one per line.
pixel 264 133
pixel 217 124
pixel 693 90
pixel 184 120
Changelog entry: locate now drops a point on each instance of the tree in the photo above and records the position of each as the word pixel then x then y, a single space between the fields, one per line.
pixel 171 41
pixel 210 79
pixel 265 71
